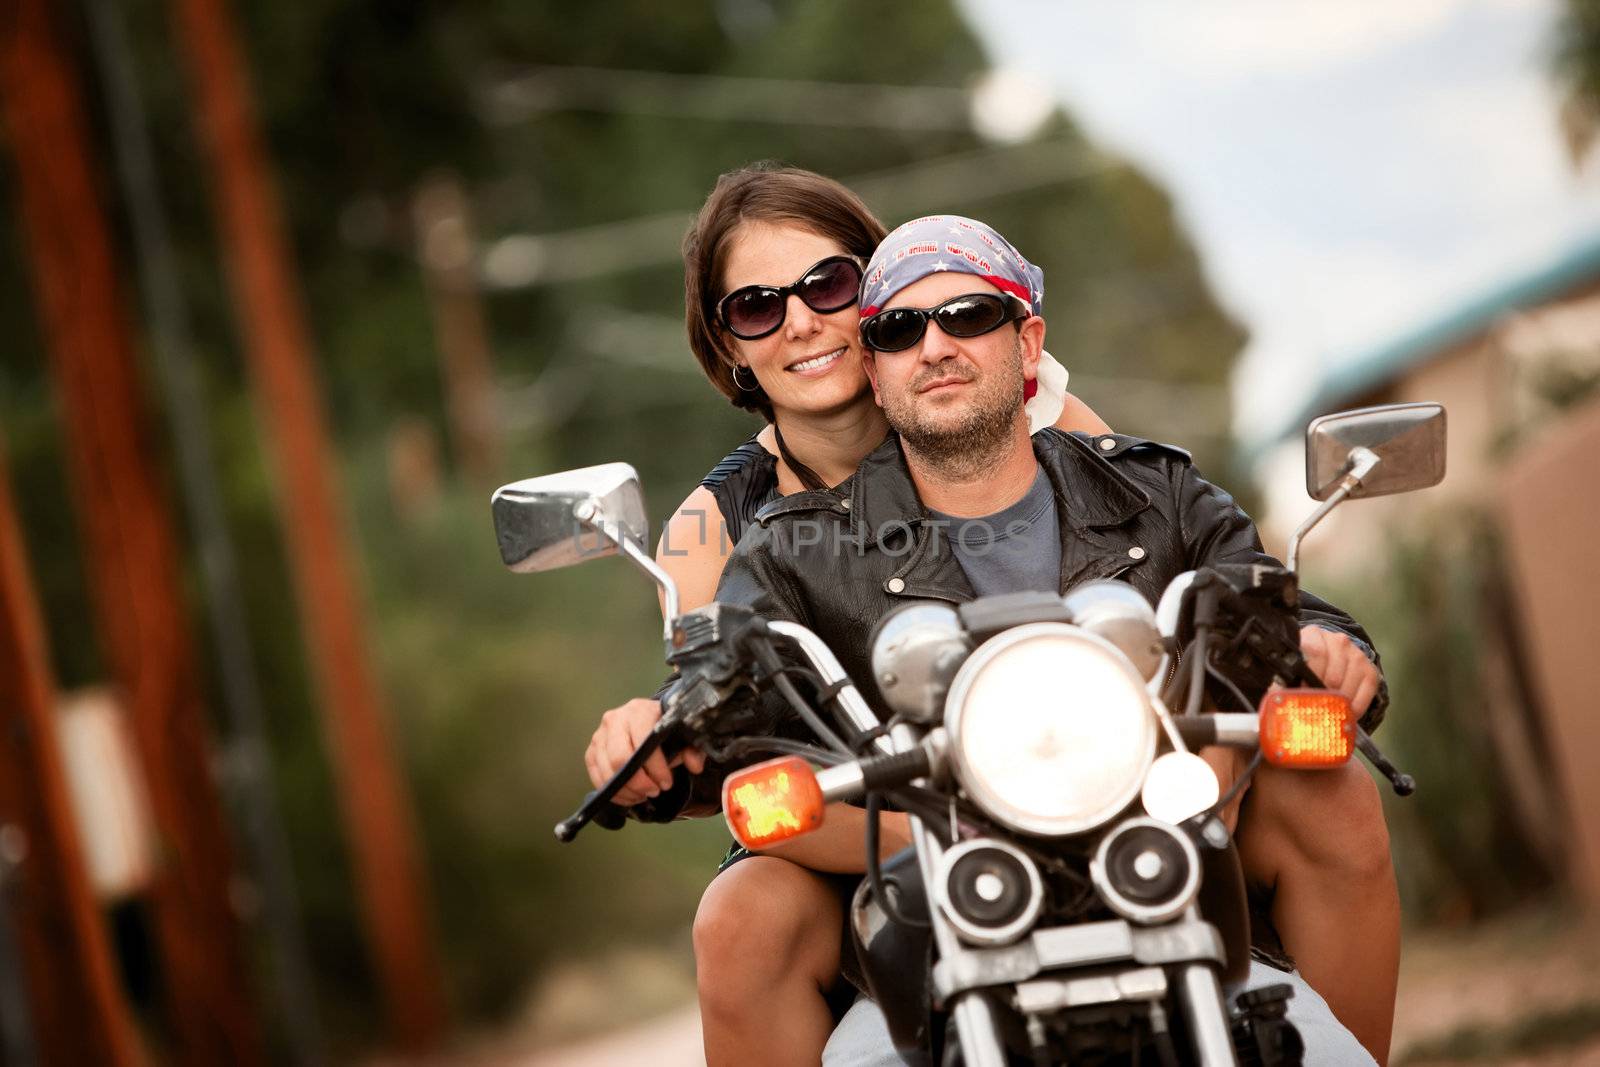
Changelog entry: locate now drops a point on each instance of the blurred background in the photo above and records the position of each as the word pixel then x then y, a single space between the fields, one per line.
pixel 288 288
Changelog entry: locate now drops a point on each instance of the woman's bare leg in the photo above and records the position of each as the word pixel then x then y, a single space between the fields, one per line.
pixel 766 947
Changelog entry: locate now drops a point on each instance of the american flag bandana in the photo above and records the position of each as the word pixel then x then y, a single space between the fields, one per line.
pixel 937 243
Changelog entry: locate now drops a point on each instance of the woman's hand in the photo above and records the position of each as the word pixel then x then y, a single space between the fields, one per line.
pixel 620 732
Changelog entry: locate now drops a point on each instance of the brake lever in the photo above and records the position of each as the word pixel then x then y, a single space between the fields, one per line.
pixel 597 806
pixel 1404 785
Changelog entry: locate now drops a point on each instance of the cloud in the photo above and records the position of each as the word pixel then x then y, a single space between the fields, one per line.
pixel 1244 39
pixel 1348 169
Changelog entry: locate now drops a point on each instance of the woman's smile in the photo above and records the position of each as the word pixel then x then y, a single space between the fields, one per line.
pixel 817 365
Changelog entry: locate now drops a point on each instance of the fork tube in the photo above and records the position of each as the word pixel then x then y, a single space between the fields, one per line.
pixel 974 1016
pixel 1204 1007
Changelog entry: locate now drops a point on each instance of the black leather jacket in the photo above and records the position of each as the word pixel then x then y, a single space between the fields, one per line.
pixel 838 560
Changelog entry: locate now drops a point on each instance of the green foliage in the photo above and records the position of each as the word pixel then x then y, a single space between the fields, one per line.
pixel 1575 63
pixel 1458 850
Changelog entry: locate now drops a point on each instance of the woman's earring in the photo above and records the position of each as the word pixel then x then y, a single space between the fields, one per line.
pixel 753 387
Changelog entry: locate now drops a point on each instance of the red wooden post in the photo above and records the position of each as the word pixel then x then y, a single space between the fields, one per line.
pixel 77 1011
pixel 129 537
pixel 278 344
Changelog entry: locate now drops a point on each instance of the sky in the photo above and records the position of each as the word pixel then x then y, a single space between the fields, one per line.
pixel 1348 169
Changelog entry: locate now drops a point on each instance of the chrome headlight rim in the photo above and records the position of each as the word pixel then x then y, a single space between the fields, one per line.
pixel 996 806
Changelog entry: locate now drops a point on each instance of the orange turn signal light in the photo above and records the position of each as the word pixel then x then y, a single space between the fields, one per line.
pixel 772 802
pixel 1307 728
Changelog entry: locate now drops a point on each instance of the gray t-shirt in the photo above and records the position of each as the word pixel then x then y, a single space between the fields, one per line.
pixel 1013 551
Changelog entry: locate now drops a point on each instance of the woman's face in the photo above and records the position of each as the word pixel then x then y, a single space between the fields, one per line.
pixel 813 362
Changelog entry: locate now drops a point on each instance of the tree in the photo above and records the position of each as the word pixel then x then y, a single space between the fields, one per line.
pixel 497 679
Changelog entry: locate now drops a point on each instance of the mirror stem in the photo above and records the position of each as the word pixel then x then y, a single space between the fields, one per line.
pixel 1362 460
pixel 669 588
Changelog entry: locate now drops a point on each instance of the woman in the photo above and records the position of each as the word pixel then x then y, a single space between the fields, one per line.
pixel 772 269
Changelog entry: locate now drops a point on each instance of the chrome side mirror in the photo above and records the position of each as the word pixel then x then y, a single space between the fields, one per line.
pixel 566 518
pixel 1395 448
pixel 1407 439
pixel 574 516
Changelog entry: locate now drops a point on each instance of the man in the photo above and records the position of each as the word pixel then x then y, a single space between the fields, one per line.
pixel 1122 508
pixel 951 312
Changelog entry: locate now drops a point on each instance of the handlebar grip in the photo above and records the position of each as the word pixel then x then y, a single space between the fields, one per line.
pixel 1197 731
pixel 894 770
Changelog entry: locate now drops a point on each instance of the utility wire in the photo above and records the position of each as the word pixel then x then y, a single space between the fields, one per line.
pixel 539 90
pixel 518 261
pixel 249 757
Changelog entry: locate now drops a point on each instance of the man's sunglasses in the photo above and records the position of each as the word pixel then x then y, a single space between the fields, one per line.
pixel 972 315
pixel 753 311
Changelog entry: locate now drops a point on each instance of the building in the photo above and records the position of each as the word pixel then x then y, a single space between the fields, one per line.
pixel 1518 371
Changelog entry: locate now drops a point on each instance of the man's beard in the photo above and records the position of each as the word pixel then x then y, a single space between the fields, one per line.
pixel 963 446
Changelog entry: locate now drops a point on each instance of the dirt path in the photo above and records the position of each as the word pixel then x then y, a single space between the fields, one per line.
pixel 1536 964
pixel 1541 963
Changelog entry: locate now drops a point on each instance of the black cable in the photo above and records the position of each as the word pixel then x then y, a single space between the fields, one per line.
pixel 768 657
pixel 1244 702
pixel 1238 784
pixel 827 693
pixel 865 738
pixel 782 746
pixel 875 871
pixel 926 805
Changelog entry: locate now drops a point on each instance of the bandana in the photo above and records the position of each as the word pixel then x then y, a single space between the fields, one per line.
pixel 948 243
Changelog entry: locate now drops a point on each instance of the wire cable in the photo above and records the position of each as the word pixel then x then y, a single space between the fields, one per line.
pixel 769 659
pixel 875 871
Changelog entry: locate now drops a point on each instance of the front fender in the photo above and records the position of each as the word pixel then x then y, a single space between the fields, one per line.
pixel 897 961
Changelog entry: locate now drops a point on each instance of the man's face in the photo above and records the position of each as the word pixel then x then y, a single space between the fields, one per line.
pixel 946 394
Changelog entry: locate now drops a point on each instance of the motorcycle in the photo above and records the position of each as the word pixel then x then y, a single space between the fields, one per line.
pixel 1072 893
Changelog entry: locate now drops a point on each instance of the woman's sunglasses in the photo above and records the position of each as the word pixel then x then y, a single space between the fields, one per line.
pixel 753 311
pixel 972 315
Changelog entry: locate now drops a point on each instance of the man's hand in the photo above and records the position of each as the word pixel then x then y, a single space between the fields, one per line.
pixel 1341 665
pixel 621 730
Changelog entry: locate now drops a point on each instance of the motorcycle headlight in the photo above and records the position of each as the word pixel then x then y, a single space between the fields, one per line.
pixel 1051 731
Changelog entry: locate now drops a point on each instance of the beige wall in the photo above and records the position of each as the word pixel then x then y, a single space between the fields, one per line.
pixel 1551 520
pixel 1547 490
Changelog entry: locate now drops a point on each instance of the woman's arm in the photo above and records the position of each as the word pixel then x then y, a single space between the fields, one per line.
pixel 694 548
pixel 1076 415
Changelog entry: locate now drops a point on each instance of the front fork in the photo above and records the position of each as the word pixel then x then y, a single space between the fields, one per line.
pixel 1206 1010
pixel 979 1032
pixel 976 1026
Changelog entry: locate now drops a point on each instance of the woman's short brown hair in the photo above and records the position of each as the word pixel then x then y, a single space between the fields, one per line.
pixel 765 192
